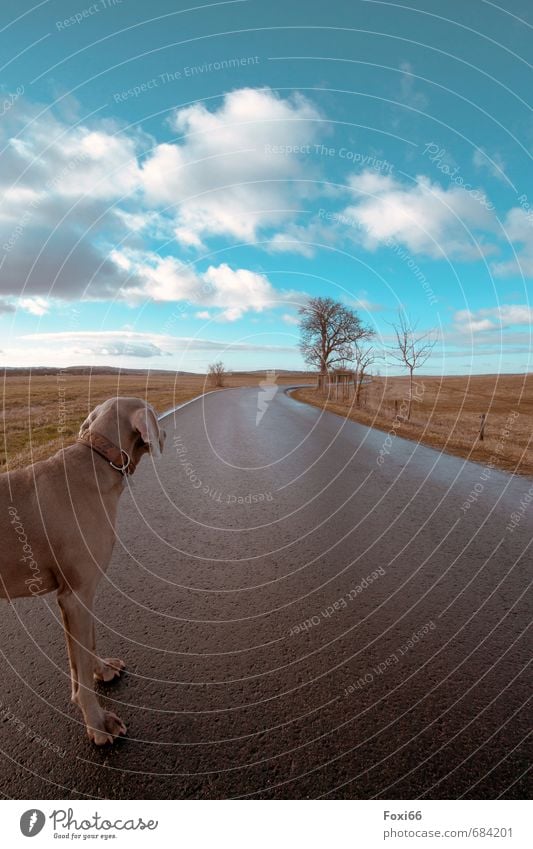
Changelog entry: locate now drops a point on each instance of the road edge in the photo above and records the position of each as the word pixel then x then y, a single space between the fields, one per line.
pixel 192 400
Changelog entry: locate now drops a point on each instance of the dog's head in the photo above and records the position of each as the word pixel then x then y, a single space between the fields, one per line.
pixel 130 423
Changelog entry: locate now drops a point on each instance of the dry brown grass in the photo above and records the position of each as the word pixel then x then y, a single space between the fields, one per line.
pixel 447 417
pixel 42 413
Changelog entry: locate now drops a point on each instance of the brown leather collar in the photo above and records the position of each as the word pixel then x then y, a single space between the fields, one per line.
pixel 117 457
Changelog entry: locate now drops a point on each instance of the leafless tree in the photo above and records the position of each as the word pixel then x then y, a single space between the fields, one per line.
pixel 216 373
pixel 364 358
pixel 329 330
pixel 411 350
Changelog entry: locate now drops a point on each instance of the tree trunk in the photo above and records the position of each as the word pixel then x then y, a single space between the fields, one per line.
pixel 410 394
pixel 359 385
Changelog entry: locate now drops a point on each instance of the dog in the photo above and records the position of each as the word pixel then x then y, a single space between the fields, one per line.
pixel 57 523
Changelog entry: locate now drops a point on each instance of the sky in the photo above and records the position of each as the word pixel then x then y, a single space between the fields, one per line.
pixel 179 178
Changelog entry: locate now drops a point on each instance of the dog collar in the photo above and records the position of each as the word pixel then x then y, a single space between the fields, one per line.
pixel 118 458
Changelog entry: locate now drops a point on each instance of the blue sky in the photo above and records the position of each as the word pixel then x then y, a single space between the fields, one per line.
pixel 177 181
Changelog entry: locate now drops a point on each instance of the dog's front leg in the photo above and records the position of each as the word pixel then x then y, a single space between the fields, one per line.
pixel 106 669
pixel 102 726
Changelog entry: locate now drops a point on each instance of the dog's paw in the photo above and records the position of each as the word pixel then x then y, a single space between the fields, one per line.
pixel 108 669
pixel 106 729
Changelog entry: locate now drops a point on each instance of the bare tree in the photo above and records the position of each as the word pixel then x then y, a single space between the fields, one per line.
pixel 329 330
pixel 364 358
pixel 411 351
pixel 216 373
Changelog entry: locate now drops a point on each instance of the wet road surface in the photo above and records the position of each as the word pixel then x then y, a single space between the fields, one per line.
pixel 298 620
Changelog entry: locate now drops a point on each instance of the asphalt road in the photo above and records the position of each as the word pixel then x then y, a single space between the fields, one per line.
pixel 262 659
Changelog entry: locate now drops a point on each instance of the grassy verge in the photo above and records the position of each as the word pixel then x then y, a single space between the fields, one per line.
pixel 42 413
pixel 447 415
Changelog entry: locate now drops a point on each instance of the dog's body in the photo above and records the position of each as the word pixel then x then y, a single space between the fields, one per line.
pixel 57 526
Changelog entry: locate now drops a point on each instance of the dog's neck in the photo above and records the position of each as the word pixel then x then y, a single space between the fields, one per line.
pixel 111 479
pixel 118 458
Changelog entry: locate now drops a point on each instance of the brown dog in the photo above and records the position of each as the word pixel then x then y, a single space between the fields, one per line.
pixel 57 525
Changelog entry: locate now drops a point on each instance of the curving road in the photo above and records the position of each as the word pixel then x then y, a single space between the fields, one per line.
pixel 267 583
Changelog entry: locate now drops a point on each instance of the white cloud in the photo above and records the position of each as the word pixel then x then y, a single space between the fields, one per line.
pixel 230 175
pixel 491 163
pixel 425 217
pixel 58 183
pixel 290 318
pixel 372 183
pixel 120 348
pixel 158 278
pixel 114 343
pixel 365 305
pixel 47 155
pixel 231 291
pixel 35 306
pixel 295 240
pixel 303 238
pixel 241 290
pixel 123 342
pixel 493 318
pixel 518 227
pixel 78 209
pixel 409 94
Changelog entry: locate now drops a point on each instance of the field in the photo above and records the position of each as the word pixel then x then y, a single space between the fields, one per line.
pixel 447 416
pixel 42 412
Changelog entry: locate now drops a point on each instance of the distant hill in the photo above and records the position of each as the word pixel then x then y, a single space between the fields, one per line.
pixel 37 371
pixel 277 370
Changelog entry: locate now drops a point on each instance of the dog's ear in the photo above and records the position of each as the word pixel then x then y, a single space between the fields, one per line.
pixel 144 421
pixel 90 419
